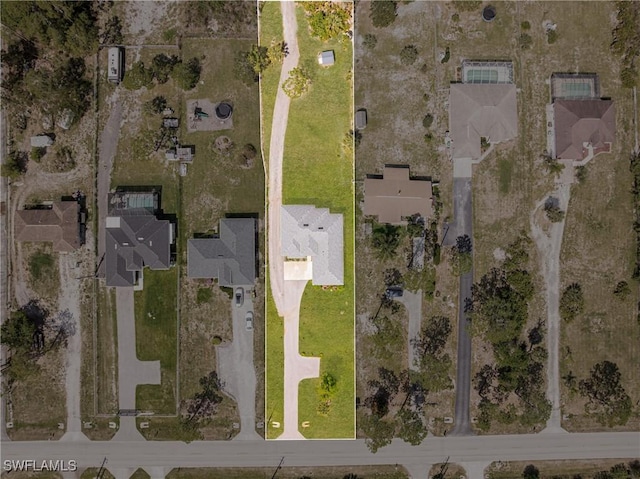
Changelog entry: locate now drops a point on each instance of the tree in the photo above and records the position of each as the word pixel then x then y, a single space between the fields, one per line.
pixel 530 472
pixel 111 33
pixel 259 59
pixel 408 55
pixel 162 66
pixel 137 77
pixel 552 37
pixel 18 332
pixel 552 165
pixel 553 211
pixel 462 260
pixel 328 383
pixel 386 239
pixel 15 164
pixel 412 428
pixel 157 104
pixel 427 121
pixel 19 58
pixel 525 41
pixel 378 432
pixel 370 41
pixel 327 19
pixel 186 75
pixel 608 399
pixel 204 403
pixel 383 12
pixel 622 290
pixel 297 84
pixel 571 302
pixel 433 337
pixel 581 174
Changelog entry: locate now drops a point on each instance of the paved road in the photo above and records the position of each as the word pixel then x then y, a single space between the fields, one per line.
pixel 549 246
pixel 324 453
pixel 413 303
pixel 107 148
pixel 463 215
pixel 131 371
pixel 236 369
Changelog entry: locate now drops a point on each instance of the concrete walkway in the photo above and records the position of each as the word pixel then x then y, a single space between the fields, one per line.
pixel 550 245
pixel 131 371
pixel 236 369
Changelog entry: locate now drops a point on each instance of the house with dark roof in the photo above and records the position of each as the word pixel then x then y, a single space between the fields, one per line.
pixel 394 195
pixel 230 256
pixel 135 238
pixel 61 224
pixel 583 127
pixel 312 241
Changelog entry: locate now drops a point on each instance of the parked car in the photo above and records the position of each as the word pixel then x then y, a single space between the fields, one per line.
pixel 249 320
pixel 239 297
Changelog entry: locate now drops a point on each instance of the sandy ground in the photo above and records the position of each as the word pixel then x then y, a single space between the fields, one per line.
pixel 142 18
pixel 549 243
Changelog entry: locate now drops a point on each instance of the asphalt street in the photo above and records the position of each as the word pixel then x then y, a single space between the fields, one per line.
pixel 124 454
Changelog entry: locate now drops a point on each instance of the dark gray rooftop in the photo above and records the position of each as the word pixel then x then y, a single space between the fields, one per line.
pixel 133 242
pixel 230 257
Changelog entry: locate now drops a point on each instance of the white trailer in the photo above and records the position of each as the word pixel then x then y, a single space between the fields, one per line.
pixel 116 64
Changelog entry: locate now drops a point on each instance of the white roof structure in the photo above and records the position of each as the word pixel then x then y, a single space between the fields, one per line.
pixel 41 141
pixel 317 234
pixel 481 110
pixel 326 58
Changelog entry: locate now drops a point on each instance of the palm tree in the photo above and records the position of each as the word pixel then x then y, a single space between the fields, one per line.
pixel 386 239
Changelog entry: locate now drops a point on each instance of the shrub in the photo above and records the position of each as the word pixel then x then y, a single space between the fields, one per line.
pixel 137 77
pixel 204 295
pixel 525 25
pixel 571 302
pixel 62 161
pixel 297 84
pixel 622 290
pixel 162 66
pixel 525 41
pixel 243 69
pixel 552 165
pixel 455 17
pixel 277 51
pixel 581 174
pixel 216 340
pixel 258 58
pixel 112 32
pixel 186 75
pixel 408 55
pixel 552 36
pixel 427 121
pixel 383 12
pixel 14 165
pixel 327 19
pixel 370 41
pixel 169 35
pixel 157 104
pixel 37 154
pixel 553 211
pixel 447 55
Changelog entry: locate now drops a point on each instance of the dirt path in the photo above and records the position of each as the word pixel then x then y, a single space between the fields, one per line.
pixel 108 148
pixel 549 244
pixel 70 299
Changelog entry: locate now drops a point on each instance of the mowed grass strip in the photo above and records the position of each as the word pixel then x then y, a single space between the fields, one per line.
pixel 156 338
pixel 270 30
pixel 317 171
pixel 274 368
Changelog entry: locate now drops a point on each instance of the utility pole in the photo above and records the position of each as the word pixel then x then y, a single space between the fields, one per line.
pixel 278 468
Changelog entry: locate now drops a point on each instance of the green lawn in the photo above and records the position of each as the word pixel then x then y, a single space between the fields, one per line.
pixel 317 171
pixel 156 338
pixel 274 367
pixel 270 29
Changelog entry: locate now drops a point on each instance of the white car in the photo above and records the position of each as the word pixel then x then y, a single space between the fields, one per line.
pixel 249 321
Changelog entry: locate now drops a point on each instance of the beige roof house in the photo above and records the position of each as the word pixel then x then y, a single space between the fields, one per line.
pixel 583 124
pixel 59 225
pixel 481 110
pixel 395 195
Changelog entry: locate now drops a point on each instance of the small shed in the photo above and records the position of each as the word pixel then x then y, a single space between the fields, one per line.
pixel 361 119
pixel 170 122
pixel 41 141
pixel 326 58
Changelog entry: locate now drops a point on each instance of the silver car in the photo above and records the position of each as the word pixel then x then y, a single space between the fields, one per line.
pixel 239 297
pixel 249 321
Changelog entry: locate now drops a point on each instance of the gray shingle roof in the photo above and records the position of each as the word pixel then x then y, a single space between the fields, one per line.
pixel 315 232
pixel 133 242
pixel 231 257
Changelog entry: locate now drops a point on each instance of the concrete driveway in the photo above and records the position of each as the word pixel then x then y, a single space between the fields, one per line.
pixel 131 371
pixel 236 369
